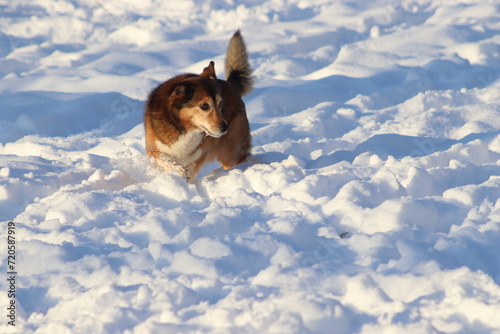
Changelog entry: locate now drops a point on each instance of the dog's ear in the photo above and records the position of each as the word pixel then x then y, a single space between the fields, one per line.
pixel 209 71
pixel 181 93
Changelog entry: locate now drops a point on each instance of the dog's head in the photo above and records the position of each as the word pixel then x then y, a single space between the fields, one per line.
pixel 199 103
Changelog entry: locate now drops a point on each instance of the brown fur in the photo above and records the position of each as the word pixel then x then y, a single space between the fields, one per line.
pixel 193 119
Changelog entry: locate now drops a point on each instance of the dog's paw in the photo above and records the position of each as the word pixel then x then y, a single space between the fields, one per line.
pixel 184 172
pixel 168 164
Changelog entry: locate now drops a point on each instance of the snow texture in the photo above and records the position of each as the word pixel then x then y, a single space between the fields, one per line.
pixel 370 204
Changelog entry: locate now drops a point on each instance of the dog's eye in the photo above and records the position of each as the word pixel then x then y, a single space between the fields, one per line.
pixel 204 106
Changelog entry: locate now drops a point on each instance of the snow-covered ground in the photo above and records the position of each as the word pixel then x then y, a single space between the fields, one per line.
pixel 370 204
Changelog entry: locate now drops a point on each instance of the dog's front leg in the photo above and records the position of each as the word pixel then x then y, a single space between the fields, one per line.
pixel 168 163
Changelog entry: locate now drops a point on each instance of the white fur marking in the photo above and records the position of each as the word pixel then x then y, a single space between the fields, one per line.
pixel 184 149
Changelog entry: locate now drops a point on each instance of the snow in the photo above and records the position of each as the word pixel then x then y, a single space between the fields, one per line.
pixel 371 203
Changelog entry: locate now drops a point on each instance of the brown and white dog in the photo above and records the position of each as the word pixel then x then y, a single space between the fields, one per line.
pixel 194 119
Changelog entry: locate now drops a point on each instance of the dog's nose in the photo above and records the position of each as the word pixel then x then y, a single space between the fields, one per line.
pixel 223 127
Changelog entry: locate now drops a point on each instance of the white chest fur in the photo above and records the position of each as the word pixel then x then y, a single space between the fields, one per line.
pixel 184 149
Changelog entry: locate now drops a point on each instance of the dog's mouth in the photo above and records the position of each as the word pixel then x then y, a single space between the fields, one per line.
pixel 217 134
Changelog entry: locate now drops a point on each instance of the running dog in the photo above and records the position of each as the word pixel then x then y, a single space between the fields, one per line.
pixel 194 119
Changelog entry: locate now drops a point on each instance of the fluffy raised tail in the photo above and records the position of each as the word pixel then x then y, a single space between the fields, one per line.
pixel 238 70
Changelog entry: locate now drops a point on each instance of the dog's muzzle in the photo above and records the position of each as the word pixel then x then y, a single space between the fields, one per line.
pixel 219 132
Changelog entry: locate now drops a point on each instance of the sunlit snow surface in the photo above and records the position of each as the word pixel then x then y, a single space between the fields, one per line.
pixel 370 204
